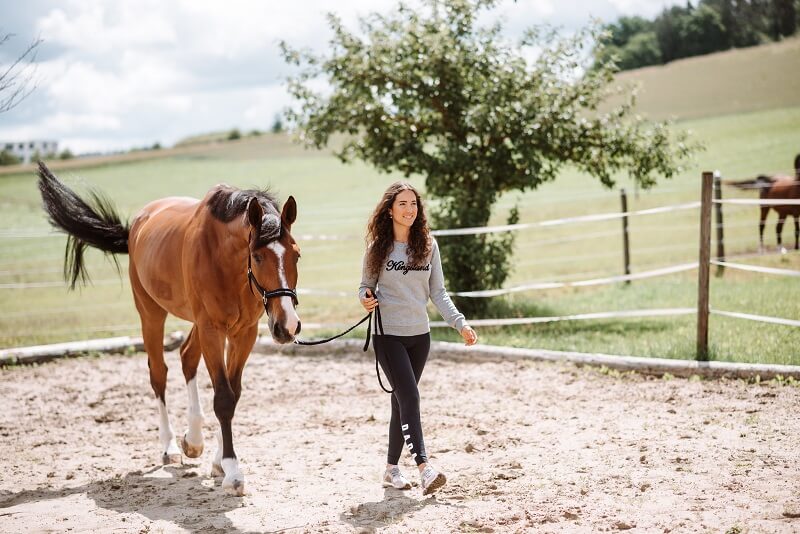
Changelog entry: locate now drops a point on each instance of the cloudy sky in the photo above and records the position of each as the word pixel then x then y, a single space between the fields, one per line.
pixel 116 74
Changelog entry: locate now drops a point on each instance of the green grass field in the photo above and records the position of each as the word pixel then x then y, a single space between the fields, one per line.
pixel 335 200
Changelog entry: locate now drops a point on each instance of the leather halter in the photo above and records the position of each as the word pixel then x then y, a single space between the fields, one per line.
pixel 266 295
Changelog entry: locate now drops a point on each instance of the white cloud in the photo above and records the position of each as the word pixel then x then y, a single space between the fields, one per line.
pixel 96 27
pixel 122 74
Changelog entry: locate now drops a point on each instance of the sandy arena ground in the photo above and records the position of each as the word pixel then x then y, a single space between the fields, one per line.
pixel 527 447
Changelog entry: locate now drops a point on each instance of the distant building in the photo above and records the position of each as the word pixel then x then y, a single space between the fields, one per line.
pixel 26 150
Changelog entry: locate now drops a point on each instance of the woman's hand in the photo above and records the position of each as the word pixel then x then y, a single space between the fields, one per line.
pixel 369 302
pixel 469 335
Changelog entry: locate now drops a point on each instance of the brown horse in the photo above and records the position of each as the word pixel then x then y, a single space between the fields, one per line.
pixel 777 188
pixel 198 260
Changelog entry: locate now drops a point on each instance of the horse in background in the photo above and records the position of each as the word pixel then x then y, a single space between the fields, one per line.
pixel 777 187
pixel 198 260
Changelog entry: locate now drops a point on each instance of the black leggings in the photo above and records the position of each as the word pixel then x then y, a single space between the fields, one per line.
pixel 402 359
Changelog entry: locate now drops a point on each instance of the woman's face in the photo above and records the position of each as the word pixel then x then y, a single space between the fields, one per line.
pixel 404 208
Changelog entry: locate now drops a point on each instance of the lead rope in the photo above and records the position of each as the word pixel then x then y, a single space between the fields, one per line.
pixel 321 341
pixel 379 325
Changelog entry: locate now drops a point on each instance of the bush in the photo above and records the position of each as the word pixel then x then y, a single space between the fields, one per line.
pixel 7 158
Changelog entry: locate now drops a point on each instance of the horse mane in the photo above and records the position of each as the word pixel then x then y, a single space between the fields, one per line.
pixel 227 203
pixel 797 166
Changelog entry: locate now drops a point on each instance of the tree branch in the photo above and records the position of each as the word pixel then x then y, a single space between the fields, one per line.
pixel 17 80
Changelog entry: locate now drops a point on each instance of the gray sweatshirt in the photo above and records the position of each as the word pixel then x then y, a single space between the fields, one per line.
pixel 403 292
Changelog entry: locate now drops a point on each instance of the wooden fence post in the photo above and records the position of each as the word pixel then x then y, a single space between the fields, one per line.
pixel 703 266
pixel 625 244
pixel 720 227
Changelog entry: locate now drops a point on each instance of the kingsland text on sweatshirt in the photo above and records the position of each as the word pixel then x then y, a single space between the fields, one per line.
pixel 403 291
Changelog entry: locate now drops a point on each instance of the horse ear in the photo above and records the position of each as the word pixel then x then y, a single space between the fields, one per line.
pixel 289 213
pixel 254 213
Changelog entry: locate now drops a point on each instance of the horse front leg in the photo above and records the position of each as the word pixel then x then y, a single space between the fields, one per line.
pixel 212 342
pixel 779 231
pixel 192 442
pixel 239 346
pixel 797 232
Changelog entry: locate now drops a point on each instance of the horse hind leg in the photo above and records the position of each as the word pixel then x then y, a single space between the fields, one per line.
pixel 153 318
pixel 153 335
pixel 192 442
pixel 761 223
pixel 797 232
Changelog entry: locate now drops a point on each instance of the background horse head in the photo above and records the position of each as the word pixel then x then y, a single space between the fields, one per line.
pixel 776 187
pixel 219 263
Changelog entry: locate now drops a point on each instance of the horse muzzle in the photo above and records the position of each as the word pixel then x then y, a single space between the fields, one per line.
pixel 280 332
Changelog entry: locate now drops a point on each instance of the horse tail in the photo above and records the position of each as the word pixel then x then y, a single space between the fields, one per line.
pixel 95 223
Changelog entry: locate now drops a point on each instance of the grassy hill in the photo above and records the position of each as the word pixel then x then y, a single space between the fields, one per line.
pixel 735 81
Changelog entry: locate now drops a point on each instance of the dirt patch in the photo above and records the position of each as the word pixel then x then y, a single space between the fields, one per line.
pixel 526 445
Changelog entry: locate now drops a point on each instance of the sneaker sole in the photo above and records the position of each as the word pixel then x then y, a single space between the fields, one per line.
pixel 390 485
pixel 437 483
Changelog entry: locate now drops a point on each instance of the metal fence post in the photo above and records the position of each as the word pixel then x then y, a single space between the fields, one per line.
pixel 703 266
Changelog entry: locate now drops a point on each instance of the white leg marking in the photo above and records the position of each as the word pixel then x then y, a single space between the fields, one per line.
pixel 234 479
pixel 193 439
pixel 216 465
pixel 169 449
pixel 286 302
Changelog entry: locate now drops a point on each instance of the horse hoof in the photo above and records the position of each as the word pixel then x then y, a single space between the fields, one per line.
pixel 191 451
pixel 234 486
pixel 168 459
pixel 783 250
pixel 216 470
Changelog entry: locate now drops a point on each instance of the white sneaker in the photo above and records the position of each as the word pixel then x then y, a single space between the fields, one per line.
pixel 432 480
pixel 393 478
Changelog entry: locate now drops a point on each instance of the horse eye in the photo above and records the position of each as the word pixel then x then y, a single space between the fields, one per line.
pixel 257 257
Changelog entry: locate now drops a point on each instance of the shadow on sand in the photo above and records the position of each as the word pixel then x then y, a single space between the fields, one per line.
pixel 394 506
pixel 172 493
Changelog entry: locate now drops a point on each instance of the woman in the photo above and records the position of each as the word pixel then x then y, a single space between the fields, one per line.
pixel 402 270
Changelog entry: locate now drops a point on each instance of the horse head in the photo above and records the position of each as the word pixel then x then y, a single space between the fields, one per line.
pixel 274 255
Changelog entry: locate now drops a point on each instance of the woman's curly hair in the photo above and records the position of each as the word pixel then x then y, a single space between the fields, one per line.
pixel 380 233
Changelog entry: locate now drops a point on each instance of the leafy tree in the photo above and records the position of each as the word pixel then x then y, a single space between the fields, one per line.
pixel 234 134
pixel 66 154
pixel 429 91
pixel 783 17
pixel 622 31
pixel 640 51
pixel 630 42
pixel 670 32
pixel 684 31
pixel 703 32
